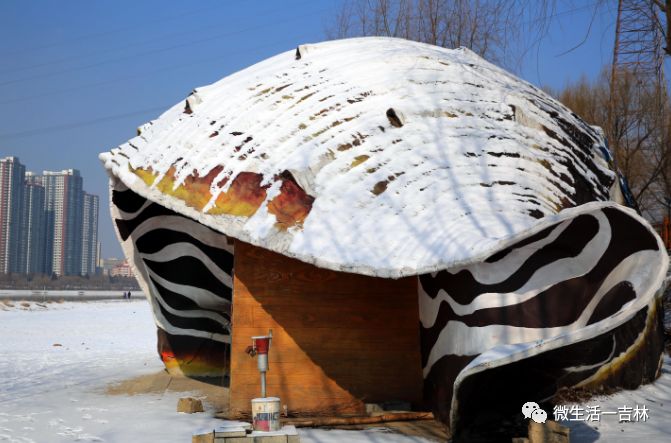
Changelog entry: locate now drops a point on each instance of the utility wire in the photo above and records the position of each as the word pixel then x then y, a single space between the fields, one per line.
pixel 561 13
pixel 164 49
pixel 112 31
pixel 20 134
pixel 166 68
pixel 28 133
pixel 584 39
pixel 79 57
pixel 159 50
pixel 74 125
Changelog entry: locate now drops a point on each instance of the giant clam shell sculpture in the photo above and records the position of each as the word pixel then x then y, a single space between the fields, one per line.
pixel 391 158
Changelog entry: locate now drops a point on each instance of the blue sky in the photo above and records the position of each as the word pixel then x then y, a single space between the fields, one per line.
pixel 77 77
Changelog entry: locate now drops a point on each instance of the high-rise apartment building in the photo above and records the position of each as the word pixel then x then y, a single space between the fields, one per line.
pixel 12 174
pixel 48 224
pixel 33 227
pixel 64 204
pixel 90 234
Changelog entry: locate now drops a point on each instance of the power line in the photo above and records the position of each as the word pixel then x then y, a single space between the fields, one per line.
pixel 128 46
pixel 171 67
pixel 110 32
pixel 159 50
pixel 584 39
pixel 74 125
pixel 562 13
pixel 56 128
pixel 164 49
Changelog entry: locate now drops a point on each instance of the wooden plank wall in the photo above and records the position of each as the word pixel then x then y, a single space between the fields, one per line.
pixel 339 340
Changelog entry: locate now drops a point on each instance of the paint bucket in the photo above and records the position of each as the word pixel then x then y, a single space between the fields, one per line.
pixel 266 414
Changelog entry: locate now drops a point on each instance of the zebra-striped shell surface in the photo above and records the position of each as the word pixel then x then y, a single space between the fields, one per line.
pixel 375 155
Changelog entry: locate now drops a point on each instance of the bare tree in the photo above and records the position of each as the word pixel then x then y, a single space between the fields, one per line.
pixel 638 133
pixel 490 28
pixel 661 15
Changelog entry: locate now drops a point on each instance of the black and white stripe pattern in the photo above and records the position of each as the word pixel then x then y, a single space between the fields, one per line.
pixel 576 281
pixel 551 308
pixel 184 266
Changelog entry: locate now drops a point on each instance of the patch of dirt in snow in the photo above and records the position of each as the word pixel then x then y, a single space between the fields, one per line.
pixel 217 396
pixel 161 382
pixel 24 305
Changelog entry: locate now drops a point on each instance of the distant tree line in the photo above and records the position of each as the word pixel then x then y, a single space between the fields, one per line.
pixel 638 130
pixel 68 282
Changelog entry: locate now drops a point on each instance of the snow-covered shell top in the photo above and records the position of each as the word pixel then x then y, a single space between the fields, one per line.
pixel 377 156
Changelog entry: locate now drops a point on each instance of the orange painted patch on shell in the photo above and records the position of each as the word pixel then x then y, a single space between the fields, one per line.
pixel 243 197
pixel 193 191
pixel 167 356
pixel 292 205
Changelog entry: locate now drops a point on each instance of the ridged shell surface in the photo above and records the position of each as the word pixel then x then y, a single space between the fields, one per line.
pixel 375 155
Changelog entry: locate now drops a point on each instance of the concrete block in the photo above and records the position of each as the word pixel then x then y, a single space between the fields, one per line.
pixel 372 408
pixel 235 433
pixel 270 439
pixel 289 430
pixel 203 438
pixel 235 426
pixel 231 432
pixel 288 434
pixel 189 405
pixel 548 432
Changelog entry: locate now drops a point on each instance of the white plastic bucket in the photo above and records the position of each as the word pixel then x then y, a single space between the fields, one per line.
pixel 266 414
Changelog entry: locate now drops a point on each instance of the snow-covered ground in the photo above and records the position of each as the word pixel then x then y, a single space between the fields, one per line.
pixel 57 359
pixel 618 421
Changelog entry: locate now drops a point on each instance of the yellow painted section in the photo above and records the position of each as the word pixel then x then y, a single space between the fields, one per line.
pixel 146 175
pixel 243 198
